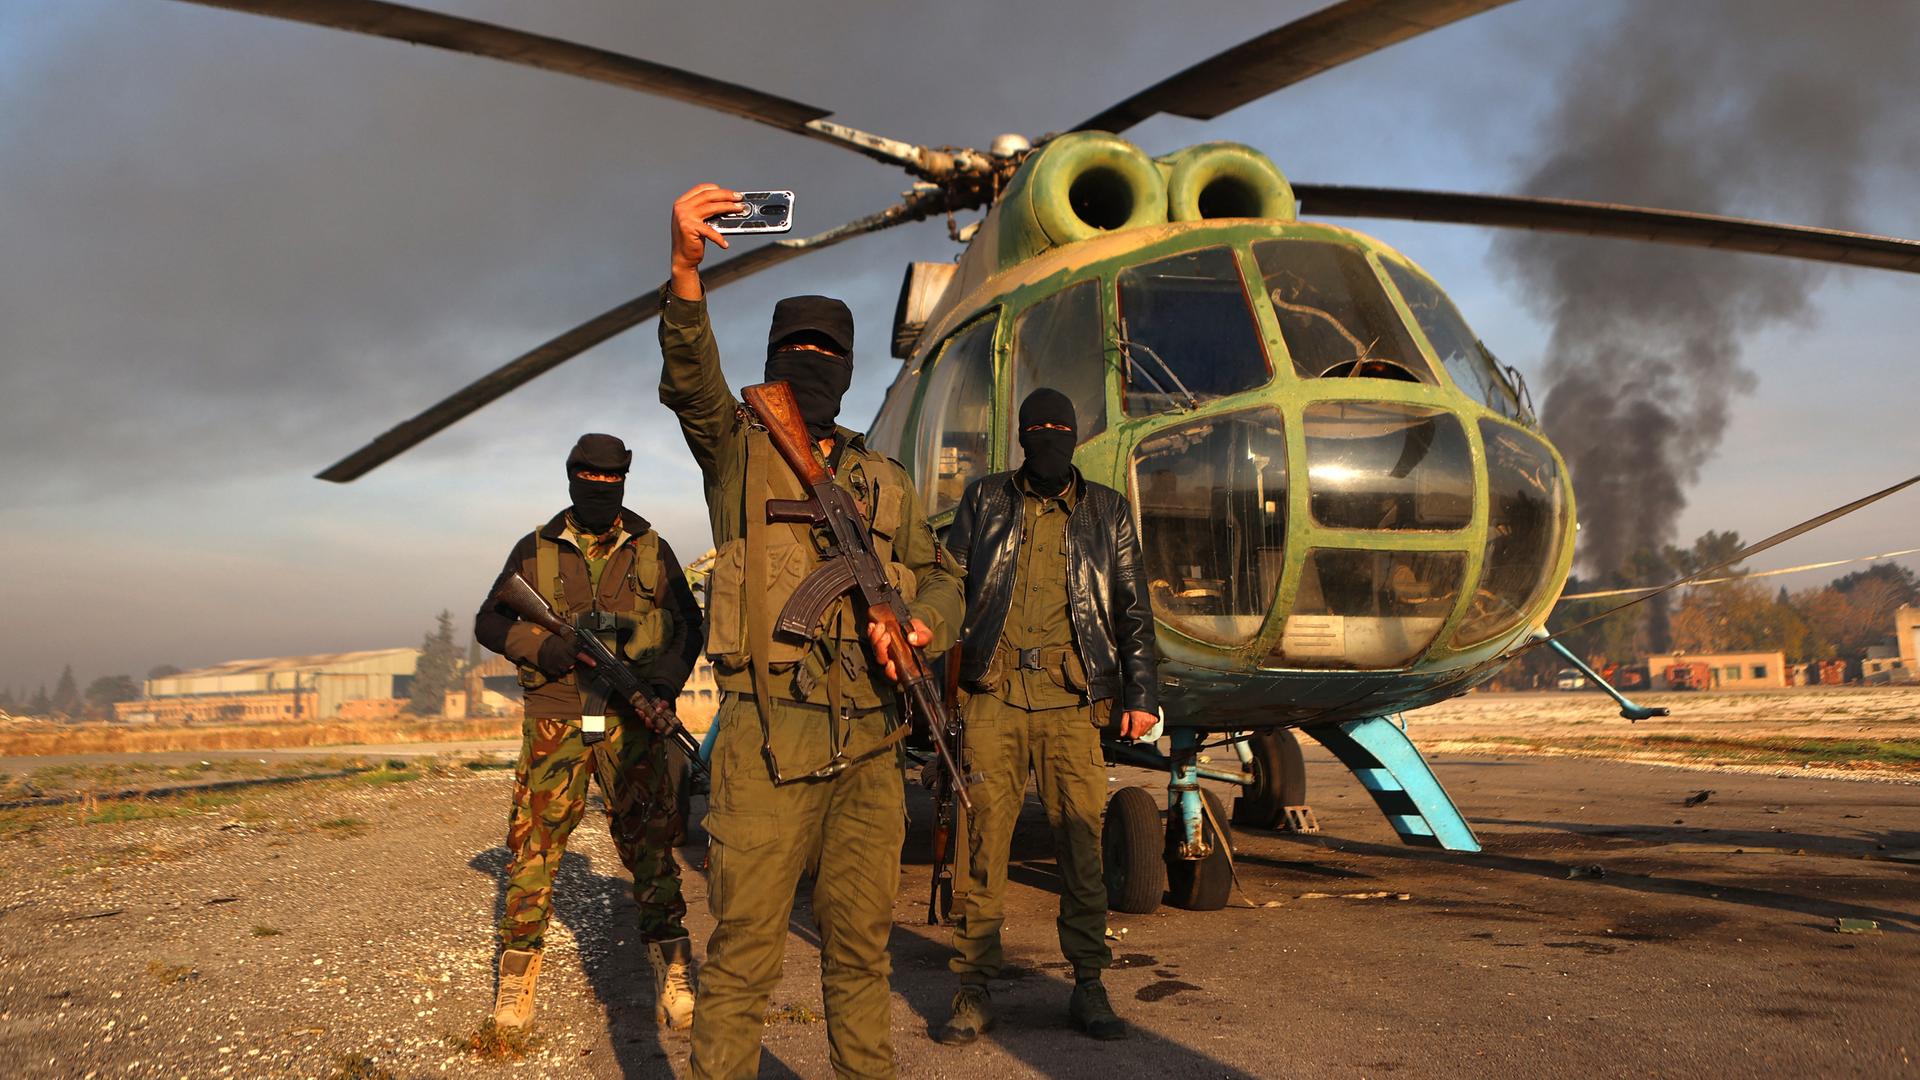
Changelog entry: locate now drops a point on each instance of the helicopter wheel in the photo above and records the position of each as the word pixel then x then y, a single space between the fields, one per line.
pixel 1279 781
pixel 1201 884
pixel 1130 849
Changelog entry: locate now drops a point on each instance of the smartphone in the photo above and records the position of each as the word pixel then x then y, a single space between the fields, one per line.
pixel 765 212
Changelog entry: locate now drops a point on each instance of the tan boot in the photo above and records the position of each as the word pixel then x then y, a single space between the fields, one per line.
pixel 513 1005
pixel 672 961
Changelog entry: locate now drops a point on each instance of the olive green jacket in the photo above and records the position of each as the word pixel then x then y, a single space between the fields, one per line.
pixel 720 436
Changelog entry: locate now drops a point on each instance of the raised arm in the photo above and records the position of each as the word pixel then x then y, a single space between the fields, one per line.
pixel 691 382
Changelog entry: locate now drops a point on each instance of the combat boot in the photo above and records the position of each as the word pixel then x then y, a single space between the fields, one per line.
pixel 972 1015
pixel 672 962
pixel 1092 1013
pixel 519 971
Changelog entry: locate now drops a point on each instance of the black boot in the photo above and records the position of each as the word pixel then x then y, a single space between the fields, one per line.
pixel 1093 1013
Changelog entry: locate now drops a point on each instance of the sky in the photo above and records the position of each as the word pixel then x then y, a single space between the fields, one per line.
pixel 235 249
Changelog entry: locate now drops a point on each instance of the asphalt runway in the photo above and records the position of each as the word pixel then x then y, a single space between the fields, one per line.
pixel 1705 946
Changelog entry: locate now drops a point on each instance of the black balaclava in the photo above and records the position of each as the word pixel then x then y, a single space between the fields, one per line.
pixel 596 503
pixel 819 379
pixel 1049 464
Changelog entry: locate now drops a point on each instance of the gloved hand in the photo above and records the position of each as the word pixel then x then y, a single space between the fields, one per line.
pixel 556 658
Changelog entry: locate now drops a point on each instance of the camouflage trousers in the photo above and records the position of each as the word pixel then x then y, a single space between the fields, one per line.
pixel 549 797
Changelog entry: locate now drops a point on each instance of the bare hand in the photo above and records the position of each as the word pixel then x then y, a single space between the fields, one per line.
pixel 1135 723
pixel 690 232
pixel 881 639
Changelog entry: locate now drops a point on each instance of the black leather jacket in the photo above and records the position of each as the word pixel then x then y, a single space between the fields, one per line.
pixel 1106 585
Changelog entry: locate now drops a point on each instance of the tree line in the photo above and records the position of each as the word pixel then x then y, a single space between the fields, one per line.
pixel 1841 620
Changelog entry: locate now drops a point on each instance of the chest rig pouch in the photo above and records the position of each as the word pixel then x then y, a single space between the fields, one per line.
pixel 621 612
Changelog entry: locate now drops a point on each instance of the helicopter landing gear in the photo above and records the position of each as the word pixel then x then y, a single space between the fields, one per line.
pixel 1279 784
pixel 1205 883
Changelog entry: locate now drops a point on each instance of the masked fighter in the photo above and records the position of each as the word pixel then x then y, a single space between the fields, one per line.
pixel 602 567
pixel 1058 646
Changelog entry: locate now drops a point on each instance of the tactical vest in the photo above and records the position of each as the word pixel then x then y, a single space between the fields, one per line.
pixel 767 564
pixel 627 592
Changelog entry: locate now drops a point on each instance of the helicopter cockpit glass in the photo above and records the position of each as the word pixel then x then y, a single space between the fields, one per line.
pixel 1369 610
pixel 1334 315
pixel 1059 342
pixel 1187 332
pixel 1212 496
pixel 1525 520
pixel 1382 465
pixel 956 416
pixel 1465 358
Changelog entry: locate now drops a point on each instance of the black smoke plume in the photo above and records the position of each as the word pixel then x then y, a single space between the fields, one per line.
pixel 1757 108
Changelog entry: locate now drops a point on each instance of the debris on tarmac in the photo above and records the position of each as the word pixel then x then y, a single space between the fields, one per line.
pixel 1855 926
pixel 1591 870
pixel 1698 797
pixel 1354 896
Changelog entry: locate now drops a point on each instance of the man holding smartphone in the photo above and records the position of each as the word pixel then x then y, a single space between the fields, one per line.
pixel 1058 645
pixel 806 770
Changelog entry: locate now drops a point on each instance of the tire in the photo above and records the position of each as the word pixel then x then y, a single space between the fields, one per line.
pixel 1136 876
pixel 1204 884
pixel 1279 781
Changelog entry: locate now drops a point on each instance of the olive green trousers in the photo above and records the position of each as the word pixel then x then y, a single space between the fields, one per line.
pixel 1061 747
pixel 846 831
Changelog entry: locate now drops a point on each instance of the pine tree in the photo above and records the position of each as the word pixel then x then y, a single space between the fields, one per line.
pixel 66 694
pixel 8 704
pixel 437 670
pixel 41 705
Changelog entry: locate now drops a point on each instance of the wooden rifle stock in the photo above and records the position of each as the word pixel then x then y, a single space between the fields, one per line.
pixel 773 402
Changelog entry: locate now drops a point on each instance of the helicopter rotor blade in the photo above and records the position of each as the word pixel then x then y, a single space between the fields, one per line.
pixel 415 26
pixel 550 354
pixel 1281 57
pixel 1613 220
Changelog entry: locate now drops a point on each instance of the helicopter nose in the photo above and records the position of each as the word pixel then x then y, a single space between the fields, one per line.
pixel 1377 565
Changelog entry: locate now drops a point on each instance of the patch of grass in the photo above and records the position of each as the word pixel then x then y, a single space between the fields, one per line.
pixel 265 931
pixel 344 826
pixel 490 1042
pixel 171 973
pixel 22 820
pixel 390 772
pixel 357 1067
pixel 482 764
pixel 113 813
pixel 1898 753
pixel 792 1013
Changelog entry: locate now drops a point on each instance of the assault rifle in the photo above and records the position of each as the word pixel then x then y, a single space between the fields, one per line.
pixel 851 566
pixel 608 669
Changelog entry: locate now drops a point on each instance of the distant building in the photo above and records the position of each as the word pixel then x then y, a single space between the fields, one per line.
pixel 1724 671
pixel 286 688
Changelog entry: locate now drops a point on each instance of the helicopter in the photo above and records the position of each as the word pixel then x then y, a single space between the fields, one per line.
pixel 1347 506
